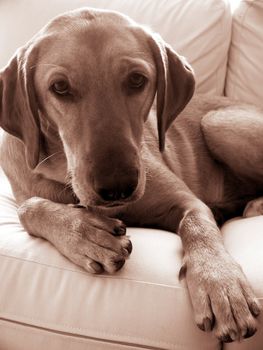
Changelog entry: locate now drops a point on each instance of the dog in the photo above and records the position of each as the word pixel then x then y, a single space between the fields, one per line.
pixel 88 145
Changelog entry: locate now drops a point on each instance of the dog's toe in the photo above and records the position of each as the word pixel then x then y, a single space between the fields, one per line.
pixel 129 246
pixel 119 264
pixel 250 332
pixel 207 324
pixel 120 229
pixel 228 338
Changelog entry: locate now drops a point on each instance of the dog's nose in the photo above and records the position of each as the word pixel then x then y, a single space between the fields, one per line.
pixel 114 194
pixel 115 188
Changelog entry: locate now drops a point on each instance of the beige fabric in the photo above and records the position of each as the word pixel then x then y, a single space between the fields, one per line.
pixel 205 45
pixel 44 296
pixel 46 301
pixel 244 241
pixel 245 68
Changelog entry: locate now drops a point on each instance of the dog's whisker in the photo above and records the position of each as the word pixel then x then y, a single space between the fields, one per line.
pixel 67 187
pixel 48 157
pixel 60 194
pixel 68 178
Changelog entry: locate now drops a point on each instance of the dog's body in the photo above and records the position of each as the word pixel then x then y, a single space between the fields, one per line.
pixel 91 141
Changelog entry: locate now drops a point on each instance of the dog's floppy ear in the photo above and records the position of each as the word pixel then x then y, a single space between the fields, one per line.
pixel 18 106
pixel 175 84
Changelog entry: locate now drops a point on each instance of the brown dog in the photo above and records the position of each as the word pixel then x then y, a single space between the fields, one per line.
pixel 76 106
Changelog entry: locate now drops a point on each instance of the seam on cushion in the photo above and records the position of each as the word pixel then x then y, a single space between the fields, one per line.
pixel 85 329
pixel 220 70
pixel 239 35
pixel 71 338
pixel 93 276
pixel 218 6
pixel 241 38
pixel 77 337
pixel 223 30
pixel 223 6
pixel 98 338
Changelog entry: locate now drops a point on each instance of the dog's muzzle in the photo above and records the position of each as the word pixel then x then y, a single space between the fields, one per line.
pixel 117 186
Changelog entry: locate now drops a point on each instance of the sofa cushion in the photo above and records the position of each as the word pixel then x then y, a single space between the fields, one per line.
pixel 245 66
pixel 200 30
pixel 46 302
pixel 243 239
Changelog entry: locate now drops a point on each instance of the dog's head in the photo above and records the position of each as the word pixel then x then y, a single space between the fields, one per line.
pixel 92 76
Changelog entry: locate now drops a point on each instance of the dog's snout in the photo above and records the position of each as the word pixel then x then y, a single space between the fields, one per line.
pixel 115 172
pixel 116 187
pixel 109 194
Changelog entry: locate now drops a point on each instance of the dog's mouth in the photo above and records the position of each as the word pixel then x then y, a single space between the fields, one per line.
pixel 111 205
pixel 102 205
pixel 99 202
pixel 114 204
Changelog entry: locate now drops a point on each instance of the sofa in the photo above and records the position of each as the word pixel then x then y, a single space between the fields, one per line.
pixel 46 302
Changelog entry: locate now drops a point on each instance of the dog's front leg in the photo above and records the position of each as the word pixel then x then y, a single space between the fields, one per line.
pixel 83 236
pixel 220 293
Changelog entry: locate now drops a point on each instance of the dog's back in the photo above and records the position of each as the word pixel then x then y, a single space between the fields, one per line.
pixel 189 156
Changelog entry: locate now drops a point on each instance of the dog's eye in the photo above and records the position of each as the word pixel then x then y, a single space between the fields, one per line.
pixel 136 81
pixel 61 87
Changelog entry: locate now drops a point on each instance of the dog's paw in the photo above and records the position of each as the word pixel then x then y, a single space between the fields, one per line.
pixel 85 236
pixel 97 258
pixel 93 241
pixel 254 208
pixel 222 298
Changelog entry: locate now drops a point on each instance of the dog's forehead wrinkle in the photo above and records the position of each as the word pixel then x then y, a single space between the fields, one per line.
pixel 82 19
pixel 85 16
pixel 89 33
pixel 73 56
pixel 99 42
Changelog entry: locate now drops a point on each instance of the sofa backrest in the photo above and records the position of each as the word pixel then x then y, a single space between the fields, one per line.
pixel 245 66
pixel 197 29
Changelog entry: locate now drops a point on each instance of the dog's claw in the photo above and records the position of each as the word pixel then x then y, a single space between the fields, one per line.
pixel 250 332
pixel 255 309
pixel 182 272
pixel 226 338
pixel 119 264
pixel 207 324
pixel 129 247
pixel 96 267
pixel 120 230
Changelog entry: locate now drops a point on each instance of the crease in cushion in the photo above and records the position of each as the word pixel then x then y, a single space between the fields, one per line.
pixel 13 334
pixel 245 69
pixel 205 42
pixel 143 305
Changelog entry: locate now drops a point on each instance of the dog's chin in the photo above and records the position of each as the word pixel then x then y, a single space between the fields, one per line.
pixel 113 204
pixel 103 204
